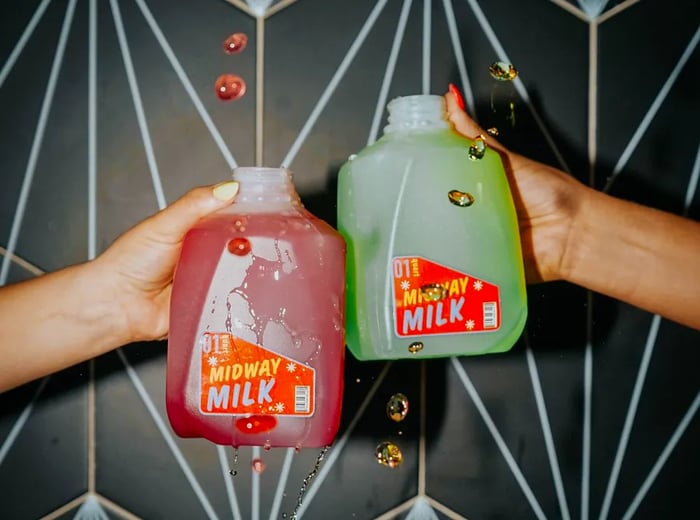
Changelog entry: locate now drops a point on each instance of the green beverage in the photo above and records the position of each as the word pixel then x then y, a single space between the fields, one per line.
pixel 434 262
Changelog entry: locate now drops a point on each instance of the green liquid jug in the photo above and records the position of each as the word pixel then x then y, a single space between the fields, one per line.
pixel 434 263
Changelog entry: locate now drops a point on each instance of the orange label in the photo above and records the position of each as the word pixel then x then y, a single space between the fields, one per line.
pixel 239 377
pixel 430 298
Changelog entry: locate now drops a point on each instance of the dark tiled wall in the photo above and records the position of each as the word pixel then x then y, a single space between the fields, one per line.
pixel 93 442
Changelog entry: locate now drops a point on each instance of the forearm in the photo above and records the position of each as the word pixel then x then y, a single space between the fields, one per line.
pixel 640 255
pixel 55 321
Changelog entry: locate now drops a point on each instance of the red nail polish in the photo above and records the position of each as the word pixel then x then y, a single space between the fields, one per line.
pixel 458 95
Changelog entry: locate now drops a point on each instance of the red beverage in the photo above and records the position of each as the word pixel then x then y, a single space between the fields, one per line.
pixel 256 341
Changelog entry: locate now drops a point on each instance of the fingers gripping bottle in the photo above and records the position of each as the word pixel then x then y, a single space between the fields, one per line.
pixel 255 348
pixel 434 260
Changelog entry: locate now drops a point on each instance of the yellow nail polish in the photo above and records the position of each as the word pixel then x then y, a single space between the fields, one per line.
pixel 225 191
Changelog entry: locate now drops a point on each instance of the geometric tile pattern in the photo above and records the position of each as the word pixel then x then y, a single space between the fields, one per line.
pixel 593 413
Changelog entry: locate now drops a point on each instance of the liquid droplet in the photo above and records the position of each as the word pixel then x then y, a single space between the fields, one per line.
pixel 433 292
pixel 267 446
pixel 477 148
pixel 502 71
pixel 229 87
pixel 352 157
pixel 397 407
pixel 388 454
pixel 416 346
pixel 307 481
pixel 492 131
pixel 239 246
pixel 235 43
pixel 258 465
pixel 460 198
pixel 233 471
pixel 256 423
pixel 239 223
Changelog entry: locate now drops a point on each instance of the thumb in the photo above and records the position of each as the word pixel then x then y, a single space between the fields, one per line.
pixel 171 223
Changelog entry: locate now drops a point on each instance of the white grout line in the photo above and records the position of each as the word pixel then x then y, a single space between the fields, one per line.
pixel 187 84
pixel 547 431
pixel 27 266
pixel 586 434
pixel 255 487
pixel 167 436
pixel 242 6
pixel 394 512
pixel 62 510
pixel 259 89
pixel 338 446
pixel 281 484
pixel 36 144
pixel 571 9
pixel 459 57
pixel 278 7
pixel 592 101
pixel 452 515
pixel 91 510
pixel 21 421
pixel 593 7
pixel 692 184
pixel 138 105
pixel 426 45
pixel 421 438
pixel 333 84
pixel 665 454
pixel 117 509
pixel 616 10
pixel 19 46
pixel 388 312
pixel 228 483
pixel 517 82
pixel 389 71
pixel 92 131
pixel 519 477
pixel 629 419
pixel 653 109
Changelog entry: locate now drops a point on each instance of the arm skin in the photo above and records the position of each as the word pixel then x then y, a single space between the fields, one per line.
pixel 59 319
pixel 642 256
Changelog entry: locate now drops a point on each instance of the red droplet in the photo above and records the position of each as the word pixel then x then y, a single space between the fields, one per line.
pixel 258 465
pixel 229 87
pixel 235 43
pixel 239 246
pixel 256 423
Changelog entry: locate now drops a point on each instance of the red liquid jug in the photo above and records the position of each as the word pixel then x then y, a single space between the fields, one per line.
pixel 256 342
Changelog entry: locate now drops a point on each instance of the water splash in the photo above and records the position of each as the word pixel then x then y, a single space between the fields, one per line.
pixel 307 481
pixel 397 407
pixel 388 454
pixel 502 71
pixel 258 465
pixel 239 246
pixel 415 347
pixel 229 87
pixel 460 198
pixel 477 150
pixel 233 471
pixel 235 43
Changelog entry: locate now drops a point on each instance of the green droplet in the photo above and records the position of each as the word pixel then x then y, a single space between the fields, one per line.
pixel 397 407
pixel 415 347
pixel 461 198
pixel 388 454
pixel 477 148
pixel 502 71
pixel 433 292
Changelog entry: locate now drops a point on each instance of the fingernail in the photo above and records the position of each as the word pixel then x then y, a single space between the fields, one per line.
pixel 225 191
pixel 458 95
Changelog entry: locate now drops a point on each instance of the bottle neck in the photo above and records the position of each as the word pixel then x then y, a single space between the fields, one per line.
pixel 268 187
pixel 416 113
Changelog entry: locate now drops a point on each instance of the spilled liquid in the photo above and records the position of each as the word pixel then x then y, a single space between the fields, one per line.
pixel 229 87
pixel 258 465
pixel 502 71
pixel 307 482
pixel 415 347
pixel 460 198
pixel 397 407
pixel 477 148
pixel 433 292
pixel 233 471
pixel 389 454
pixel 235 43
pixel 239 246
